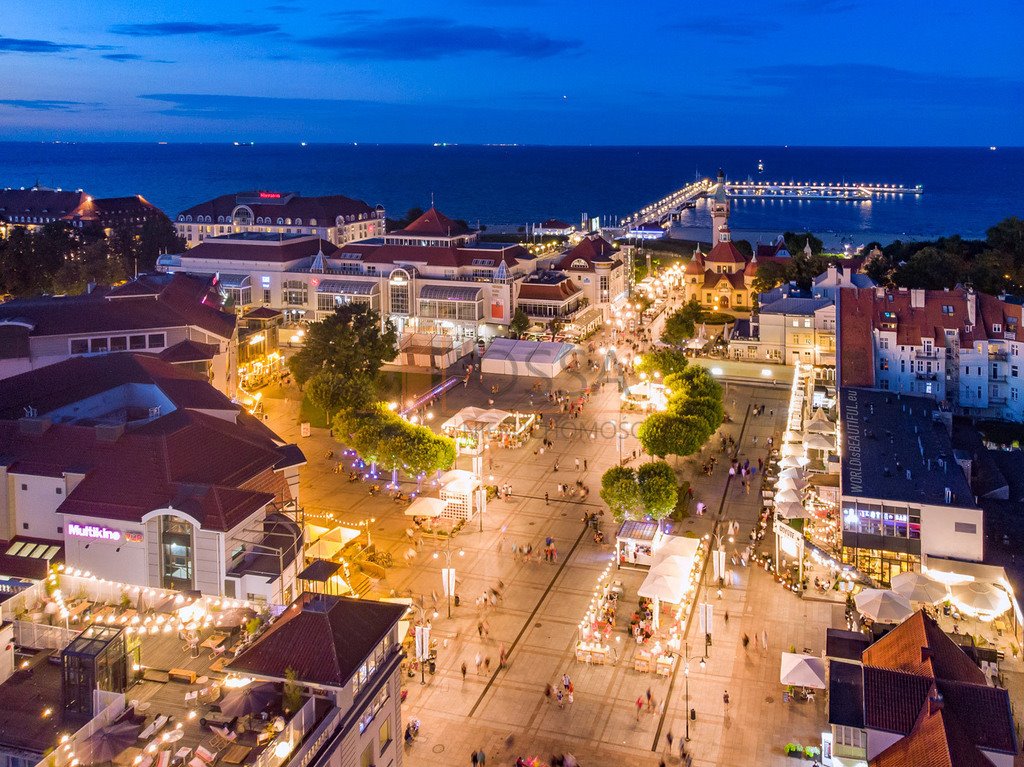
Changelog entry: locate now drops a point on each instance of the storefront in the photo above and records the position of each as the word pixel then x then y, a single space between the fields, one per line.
pixel 636 542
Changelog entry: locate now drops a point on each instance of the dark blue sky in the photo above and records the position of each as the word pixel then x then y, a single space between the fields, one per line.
pixel 828 72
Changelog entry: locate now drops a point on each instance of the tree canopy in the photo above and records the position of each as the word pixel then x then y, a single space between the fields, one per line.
pixel 694 412
pixel 663 361
pixel 649 491
pixel 379 435
pixel 682 323
pixel 348 343
pixel 519 324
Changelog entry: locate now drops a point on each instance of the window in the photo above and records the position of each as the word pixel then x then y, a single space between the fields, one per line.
pixel 295 292
pixel 997 328
pixel 384 735
pixel 157 341
pixel 97 345
pixel 119 343
pixel 266 296
pixel 79 346
pixel 60 490
pixel 1014 371
pixel 372 708
pixel 136 342
pixel 366 760
pixel 947 309
pixel 807 323
pixel 965 527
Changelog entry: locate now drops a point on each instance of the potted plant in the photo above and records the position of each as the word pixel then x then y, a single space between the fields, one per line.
pixel 794 750
pixel 812 752
pixel 291 699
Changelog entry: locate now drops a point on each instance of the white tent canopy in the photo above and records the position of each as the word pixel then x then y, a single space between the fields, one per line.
pixel 674 566
pixel 802 670
pixel 457 475
pixel 820 442
pixel 788 496
pixel 918 587
pixel 883 605
pixel 789 461
pixel 425 507
pixel 664 588
pixel 791 483
pixel 476 418
pixel 331 542
pixel 792 510
pixel 793 472
pixel 535 359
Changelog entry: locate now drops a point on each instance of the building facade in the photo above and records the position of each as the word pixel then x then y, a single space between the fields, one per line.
pixel 334 218
pixel 794 326
pixel 176 317
pixel 143 472
pixel 956 346
pixel 33 208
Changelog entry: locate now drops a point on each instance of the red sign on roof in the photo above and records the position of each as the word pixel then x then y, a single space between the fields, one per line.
pixel 270 195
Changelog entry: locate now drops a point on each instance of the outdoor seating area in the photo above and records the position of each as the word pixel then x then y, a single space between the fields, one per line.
pixel 502 427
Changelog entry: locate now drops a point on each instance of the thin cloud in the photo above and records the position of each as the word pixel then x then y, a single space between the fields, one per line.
pixel 127 57
pixel 25 45
pixel 46 105
pixel 427 39
pixel 182 28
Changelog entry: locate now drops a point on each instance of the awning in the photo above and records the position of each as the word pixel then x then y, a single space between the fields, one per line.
pixel 348 287
pixel 234 280
pixel 450 293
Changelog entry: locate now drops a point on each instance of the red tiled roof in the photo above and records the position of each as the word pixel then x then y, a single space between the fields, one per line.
pixel 270 251
pixel 540 291
pixel 79 378
pixel 189 351
pixel 592 250
pixel 324 639
pixel 150 303
pixel 262 313
pixel 433 223
pixel 736 280
pixel 937 739
pixel 919 646
pixel 725 253
pixel 695 265
pixel 38 203
pixel 103 210
pixel 324 209
pixel 555 223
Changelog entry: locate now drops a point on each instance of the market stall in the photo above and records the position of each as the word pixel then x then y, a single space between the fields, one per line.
pixel 635 543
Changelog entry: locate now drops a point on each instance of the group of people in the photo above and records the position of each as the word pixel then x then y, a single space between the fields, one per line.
pixel 560 694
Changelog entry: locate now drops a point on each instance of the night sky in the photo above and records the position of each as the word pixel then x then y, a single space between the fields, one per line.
pixel 752 72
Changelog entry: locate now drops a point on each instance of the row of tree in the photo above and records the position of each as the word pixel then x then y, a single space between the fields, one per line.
pixel 340 368
pixel 60 259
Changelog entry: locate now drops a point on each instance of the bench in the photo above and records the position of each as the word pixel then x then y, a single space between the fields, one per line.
pixel 155 675
pixel 182 675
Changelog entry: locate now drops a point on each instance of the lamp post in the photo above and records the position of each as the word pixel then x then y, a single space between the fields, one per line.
pixel 448 578
pixel 686 677
pixel 366 523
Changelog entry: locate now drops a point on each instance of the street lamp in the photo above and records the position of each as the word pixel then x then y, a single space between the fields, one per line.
pixel 366 523
pixel 448 574
pixel 422 638
pixel 686 677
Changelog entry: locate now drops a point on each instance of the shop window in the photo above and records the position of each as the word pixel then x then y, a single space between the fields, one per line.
pixel 119 343
pixel 157 340
pixel 136 342
pixel 79 346
pixel 97 345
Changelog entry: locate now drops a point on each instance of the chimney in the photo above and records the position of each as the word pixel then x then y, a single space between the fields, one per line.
pixel 972 299
pixel 934 703
pixel 926 654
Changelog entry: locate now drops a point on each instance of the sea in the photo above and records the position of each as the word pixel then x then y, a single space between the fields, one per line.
pixel 966 190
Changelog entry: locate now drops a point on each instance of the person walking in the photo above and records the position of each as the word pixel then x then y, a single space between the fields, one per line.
pixel 463 672
pixel 474 759
pixel 548 692
pixel 545 499
pixel 764 639
pixel 566 682
pixel 479 660
pixel 558 697
pixel 725 698
pixel 639 706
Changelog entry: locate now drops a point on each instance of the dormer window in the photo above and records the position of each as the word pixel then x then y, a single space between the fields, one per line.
pixel 997 328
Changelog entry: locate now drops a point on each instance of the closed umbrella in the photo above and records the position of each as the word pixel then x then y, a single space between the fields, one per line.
pixel 976 597
pixel 106 744
pixel 792 510
pixel 820 442
pixel 801 670
pixel 918 587
pixel 787 496
pixel 249 700
pixel 883 605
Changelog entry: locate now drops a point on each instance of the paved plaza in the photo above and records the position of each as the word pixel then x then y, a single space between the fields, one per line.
pixel 505 712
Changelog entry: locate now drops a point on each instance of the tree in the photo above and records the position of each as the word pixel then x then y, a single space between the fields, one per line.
pixel 663 361
pixel 663 434
pixel 348 342
pixel 932 268
pixel 291 698
pixel 326 390
pixel 795 243
pixel 555 324
pixel 770 274
pixel 659 491
pixel 620 491
pixel 519 325
pixel 682 324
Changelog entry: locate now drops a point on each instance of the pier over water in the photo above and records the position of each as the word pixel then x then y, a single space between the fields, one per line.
pixel 667 208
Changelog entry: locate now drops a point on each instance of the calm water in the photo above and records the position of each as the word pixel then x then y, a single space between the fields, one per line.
pixel 966 190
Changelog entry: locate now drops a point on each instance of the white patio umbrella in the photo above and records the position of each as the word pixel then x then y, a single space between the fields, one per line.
pixel 793 471
pixel 789 462
pixel 790 483
pixel 918 587
pixel 660 588
pixel 978 597
pixel 792 448
pixel 883 605
pixel 792 510
pixel 802 670
pixel 674 566
pixel 787 496
pixel 791 436
pixel 425 507
pixel 819 442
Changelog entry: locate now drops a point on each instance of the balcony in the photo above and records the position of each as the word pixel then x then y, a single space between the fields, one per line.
pixel 927 355
pixel 926 376
pixel 997 356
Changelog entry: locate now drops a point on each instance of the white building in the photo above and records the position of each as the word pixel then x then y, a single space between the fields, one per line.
pixel 958 347
pixel 142 472
pixel 792 325
pixel 335 218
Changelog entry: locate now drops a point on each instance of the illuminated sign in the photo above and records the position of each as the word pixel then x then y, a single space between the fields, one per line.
pixel 93 531
pixel 132 537
pixel 270 195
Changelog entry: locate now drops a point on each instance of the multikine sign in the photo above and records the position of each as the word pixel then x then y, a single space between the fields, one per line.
pixel 93 531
